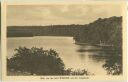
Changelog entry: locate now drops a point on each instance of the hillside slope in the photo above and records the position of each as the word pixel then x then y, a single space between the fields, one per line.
pixel 107 30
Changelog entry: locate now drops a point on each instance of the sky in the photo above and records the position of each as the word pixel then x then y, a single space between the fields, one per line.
pixel 41 15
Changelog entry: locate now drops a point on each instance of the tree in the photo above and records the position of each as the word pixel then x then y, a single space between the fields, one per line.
pixel 36 61
pixel 113 64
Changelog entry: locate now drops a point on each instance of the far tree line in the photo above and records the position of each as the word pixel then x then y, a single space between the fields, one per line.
pixel 107 30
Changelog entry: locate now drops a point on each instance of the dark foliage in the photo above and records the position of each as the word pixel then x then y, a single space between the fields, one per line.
pixel 113 64
pixel 47 62
pixel 107 30
pixel 52 30
pixel 37 61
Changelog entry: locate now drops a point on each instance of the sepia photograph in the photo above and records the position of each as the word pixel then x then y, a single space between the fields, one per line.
pixel 65 40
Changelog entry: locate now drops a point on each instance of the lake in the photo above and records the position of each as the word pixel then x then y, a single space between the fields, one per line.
pixel 89 57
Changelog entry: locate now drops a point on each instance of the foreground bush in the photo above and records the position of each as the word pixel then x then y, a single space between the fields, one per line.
pixel 37 61
pixel 113 65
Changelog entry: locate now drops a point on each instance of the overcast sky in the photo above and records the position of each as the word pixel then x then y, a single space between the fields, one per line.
pixel 21 15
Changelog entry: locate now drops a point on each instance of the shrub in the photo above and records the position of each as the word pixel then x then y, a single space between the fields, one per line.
pixel 37 61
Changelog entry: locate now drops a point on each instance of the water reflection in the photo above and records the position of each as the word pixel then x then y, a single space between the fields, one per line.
pixel 112 59
pixel 82 56
pixel 105 61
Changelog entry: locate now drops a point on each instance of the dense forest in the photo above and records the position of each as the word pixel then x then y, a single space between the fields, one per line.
pixel 107 30
pixel 52 30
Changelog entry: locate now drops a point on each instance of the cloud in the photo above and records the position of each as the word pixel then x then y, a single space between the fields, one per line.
pixel 59 14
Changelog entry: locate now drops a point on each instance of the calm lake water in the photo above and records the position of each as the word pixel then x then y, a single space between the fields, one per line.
pixel 91 58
